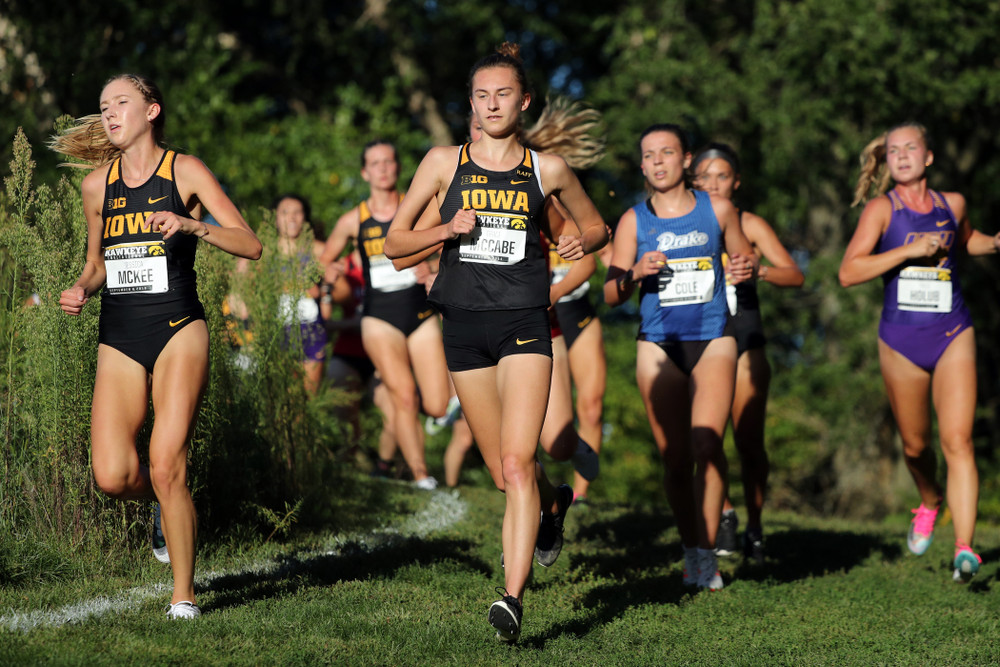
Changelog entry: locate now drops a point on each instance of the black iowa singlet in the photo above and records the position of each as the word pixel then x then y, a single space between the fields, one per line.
pixel 150 292
pixel 501 264
pixel 143 269
pixel 390 295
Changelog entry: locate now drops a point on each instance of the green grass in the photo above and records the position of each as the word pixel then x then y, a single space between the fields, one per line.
pixel 832 592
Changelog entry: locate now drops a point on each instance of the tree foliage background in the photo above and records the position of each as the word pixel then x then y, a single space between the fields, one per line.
pixel 282 96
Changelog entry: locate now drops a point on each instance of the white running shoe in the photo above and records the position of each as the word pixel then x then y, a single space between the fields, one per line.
pixel 708 571
pixel 157 540
pixel 183 609
pixel 426 484
pixel 435 425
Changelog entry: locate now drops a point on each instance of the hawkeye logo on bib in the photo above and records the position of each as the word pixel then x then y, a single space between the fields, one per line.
pixel 136 268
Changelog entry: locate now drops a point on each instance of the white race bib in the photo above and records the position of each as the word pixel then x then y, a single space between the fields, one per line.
pixel 687 281
pixel 305 309
pixel 924 289
pixel 559 273
pixel 136 268
pixel 385 278
pixel 731 299
pixel 498 238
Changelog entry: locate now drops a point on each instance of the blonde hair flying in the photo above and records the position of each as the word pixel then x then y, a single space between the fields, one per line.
pixel 564 128
pixel 87 142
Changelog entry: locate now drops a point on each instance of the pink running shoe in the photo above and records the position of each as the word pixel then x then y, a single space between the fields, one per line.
pixel 967 562
pixel 921 529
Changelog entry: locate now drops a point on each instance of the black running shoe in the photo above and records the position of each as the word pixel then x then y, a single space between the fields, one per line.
pixel 550 532
pixel 753 547
pixel 505 616
pixel 585 461
pixel 159 542
pixel 726 543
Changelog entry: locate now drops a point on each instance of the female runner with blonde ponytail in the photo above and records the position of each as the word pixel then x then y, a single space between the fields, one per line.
pixel 911 237
pixel 142 204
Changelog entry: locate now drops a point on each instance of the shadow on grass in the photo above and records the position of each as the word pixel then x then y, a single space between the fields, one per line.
pixel 610 602
pixel 800 553
pixel 353 561
pixel 621 549
pixel 981 584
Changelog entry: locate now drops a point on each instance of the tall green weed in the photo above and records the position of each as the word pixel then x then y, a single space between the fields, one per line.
pixel 260 440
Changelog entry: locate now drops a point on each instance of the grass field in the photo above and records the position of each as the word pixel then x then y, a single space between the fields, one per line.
pixel 408 582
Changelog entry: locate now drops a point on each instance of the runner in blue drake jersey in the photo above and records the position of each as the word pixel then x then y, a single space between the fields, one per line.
pixel 671 245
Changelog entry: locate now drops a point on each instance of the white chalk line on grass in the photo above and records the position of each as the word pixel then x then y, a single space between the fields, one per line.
pixel 444 509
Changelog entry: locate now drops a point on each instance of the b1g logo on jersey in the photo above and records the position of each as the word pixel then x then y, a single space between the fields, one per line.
pixel 469 179
pixel 116 203
pixel 670 241
pixel 372 232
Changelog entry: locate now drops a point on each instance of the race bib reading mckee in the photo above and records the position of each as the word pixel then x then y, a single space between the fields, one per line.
pixel 385 278
pixel 498 238
pixel 136 268
pixel 686 281
pixel 924 289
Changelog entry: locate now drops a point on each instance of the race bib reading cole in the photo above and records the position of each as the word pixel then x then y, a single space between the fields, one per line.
pixel 385 278
pixel 687 281
pixel 136 268
pixel 498 238
pixel 924 289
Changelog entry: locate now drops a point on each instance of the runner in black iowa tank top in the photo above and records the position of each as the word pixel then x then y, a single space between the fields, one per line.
pixel 143 269
pixel 390 295
pixel 501 264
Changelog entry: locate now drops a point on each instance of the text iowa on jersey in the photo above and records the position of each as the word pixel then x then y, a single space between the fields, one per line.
pixel 134 223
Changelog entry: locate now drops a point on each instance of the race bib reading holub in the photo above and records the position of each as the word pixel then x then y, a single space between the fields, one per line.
pixel 498 238
pixel 925 289
pixel 686 281
pixel 136 268
pixel 385 278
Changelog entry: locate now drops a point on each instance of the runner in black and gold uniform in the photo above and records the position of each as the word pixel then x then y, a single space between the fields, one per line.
pixel 716 170
pixel 492 290
pixel 400 331
pixel 142 205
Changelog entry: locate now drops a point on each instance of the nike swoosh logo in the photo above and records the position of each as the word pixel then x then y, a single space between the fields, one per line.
pixel 585 322
pixel 153 201
pixel 942 223
pixel 173 324
pixel 522 342
pixel 954 331
pixel 424 315
pixel 517 182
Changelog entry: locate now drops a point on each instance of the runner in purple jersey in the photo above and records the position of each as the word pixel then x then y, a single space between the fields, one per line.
pixel 926 341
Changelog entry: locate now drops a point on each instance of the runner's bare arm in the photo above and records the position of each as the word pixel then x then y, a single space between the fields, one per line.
pixel 560 181
pixel 198 185
pixel 432 178
pixel 94 274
